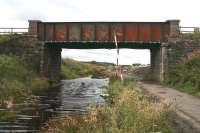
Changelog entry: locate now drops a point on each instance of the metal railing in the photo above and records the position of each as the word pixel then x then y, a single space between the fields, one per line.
pixel 12 30
pixel 190 29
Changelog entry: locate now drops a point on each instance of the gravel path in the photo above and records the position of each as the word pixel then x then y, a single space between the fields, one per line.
pixel 188 107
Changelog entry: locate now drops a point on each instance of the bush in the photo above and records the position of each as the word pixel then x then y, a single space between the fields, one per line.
pixel 17 80
pixel 186 77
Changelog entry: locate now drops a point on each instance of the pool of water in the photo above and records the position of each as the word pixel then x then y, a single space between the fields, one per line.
pixel 73 96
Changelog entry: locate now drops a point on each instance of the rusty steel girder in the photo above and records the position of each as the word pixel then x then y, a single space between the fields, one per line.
pixel 103 31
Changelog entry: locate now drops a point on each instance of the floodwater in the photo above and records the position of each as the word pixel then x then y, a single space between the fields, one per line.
pixel 73 96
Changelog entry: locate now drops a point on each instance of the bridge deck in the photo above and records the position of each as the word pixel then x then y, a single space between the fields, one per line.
pixel 104 44
pixel 101 31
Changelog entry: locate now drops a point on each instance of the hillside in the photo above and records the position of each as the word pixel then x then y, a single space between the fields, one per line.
pixel 71 69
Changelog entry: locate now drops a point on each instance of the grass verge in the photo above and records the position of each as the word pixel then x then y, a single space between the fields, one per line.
pixel 17 80
pixel 186 77
pixel 130 111
pixel 192 36
pixel 4 38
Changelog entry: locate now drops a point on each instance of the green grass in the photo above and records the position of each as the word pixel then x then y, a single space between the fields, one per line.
pixel 186 77
pixel 4 38
pixel 130 111
pixel 72 69
pixel 192 36
pixel 17 80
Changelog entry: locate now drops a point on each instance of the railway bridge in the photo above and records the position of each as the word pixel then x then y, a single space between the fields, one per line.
pixel 100 35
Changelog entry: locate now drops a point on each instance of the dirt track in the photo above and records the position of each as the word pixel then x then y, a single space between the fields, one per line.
pixel 188 107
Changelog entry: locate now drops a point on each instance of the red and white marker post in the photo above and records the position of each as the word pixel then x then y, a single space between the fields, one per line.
pixel 119 69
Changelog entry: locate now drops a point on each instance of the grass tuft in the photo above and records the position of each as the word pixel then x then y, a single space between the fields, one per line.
pixel 130 112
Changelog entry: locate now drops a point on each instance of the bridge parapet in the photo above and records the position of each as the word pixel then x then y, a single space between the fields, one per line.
pixel 104 31
pixel 174 28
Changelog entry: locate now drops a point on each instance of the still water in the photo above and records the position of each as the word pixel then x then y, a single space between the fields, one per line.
pixel 73 96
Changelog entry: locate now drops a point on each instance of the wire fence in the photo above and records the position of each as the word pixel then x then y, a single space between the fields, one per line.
pixel 190 29
pixel 4 31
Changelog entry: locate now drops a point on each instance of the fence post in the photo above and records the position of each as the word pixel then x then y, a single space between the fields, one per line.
pixel 196 29
pixel 11 30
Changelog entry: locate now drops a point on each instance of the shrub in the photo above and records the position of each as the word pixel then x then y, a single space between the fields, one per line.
pixel 186 76
pixel 17 80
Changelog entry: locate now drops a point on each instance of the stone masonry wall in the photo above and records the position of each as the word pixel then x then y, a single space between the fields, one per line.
pixel 47 59
pixel 51 63
pixel 44 59
pixel 170 54
pixel 155 63
pixel 178 51
pixel 182 50
pixel 26 47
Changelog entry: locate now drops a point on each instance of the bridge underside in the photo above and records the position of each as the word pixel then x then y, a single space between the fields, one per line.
pixel 103 44
pixel 51 65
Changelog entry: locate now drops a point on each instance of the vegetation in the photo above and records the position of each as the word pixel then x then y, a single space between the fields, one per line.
pixel 130 111
pixel 73 69
pixel 186 77
pixel 4 38
pixel 192 36
pixel 17 80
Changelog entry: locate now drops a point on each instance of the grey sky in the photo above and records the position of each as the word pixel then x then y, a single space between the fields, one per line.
pixel 17 12
pixel 126 57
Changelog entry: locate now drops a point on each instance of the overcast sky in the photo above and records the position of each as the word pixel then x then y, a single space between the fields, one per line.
pixel 127 56
pixel 16 13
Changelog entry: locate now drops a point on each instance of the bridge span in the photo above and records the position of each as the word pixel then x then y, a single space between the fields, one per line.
pixel 100 35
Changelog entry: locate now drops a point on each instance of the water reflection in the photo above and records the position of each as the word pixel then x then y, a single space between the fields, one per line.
pixel 74 96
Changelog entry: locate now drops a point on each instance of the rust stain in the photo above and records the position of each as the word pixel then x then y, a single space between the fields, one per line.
pixel 156 32
pixel 102 32
pixel 119 31
pixel 131 32
pixel 49 32
pixel 88 32
pixel 60 32
pixel 144 32
pixel 74 32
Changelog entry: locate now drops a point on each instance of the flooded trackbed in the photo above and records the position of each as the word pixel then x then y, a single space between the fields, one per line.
pixel 74 96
